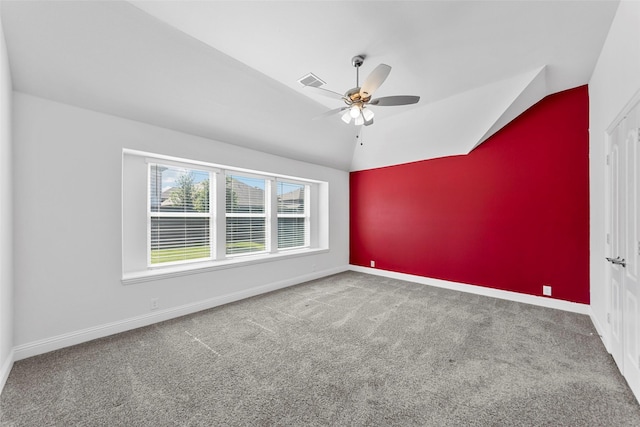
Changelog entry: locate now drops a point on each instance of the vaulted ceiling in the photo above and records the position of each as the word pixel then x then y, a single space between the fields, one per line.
pixel 228 70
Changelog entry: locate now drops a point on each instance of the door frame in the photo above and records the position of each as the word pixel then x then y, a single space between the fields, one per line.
pixel 624 112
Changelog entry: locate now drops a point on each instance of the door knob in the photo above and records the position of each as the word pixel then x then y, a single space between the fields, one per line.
pixel 617 260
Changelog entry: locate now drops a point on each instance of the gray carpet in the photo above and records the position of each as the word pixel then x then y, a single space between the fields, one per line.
pixel 346 350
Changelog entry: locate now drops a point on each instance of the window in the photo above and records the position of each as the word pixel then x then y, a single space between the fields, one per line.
pixel 246 214
pixel 293 215
pixel 179 214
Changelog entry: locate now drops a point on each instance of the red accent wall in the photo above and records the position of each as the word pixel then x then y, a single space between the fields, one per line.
pixel 513 214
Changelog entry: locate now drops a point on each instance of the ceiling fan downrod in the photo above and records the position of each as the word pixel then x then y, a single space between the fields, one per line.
pixel 357 61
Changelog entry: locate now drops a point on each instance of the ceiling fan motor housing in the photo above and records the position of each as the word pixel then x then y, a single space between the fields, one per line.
pixel 353 96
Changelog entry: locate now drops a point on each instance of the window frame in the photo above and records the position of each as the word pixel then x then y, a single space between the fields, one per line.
pixel 135 219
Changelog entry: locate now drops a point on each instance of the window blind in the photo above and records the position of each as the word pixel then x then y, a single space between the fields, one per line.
pixel 180 219
pixel 292 215
pixel 246 214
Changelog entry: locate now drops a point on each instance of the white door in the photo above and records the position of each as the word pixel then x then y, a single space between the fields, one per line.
pixel 624 249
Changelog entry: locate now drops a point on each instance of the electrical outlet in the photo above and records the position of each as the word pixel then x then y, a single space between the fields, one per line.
pixel 546 290
pixel 373 264
pixel 155 303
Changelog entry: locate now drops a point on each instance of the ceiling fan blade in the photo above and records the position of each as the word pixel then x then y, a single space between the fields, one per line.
pixel 330 113
pixel 395 100
pixel 374 80
pixel 324 92
pixel 369 122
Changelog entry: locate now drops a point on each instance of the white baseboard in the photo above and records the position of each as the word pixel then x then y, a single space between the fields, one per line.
pixel 65 340
pixel 5 369
pixel 480 290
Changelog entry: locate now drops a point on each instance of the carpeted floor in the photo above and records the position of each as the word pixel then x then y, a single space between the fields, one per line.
pixel 346 350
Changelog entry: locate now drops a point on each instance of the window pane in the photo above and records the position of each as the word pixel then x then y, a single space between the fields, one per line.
pixel 245 195
pixel 179 239
pixel 290 198
pixel 245 235
pixel 291 232
pixel 174 189
pixel 292 214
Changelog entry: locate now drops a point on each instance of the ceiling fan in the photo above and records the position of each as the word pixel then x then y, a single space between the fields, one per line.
pixel 358 99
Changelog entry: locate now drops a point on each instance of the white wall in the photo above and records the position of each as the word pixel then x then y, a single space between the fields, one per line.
pixel 68 227
pixel 6 209
pixel 614 82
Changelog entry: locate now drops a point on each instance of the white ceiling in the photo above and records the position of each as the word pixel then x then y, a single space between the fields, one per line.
pixel 228 70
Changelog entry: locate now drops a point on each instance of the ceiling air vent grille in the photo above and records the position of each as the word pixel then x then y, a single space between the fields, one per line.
pixel 311 80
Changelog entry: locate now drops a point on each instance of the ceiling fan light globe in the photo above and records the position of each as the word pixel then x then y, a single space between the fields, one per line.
pixel 368 114
pixel 346 117
pixel 359 120
pixel 354 112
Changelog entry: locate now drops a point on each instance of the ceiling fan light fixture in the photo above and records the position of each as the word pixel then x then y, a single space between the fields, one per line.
pixel 354 111
pixel 359 120
pixel 346 117
pixel 368 114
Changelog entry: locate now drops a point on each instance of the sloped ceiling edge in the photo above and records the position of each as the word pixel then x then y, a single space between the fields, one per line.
pixel 532 94
pixel 450 127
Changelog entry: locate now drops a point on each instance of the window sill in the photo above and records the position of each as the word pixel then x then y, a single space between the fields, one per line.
pixel 203 267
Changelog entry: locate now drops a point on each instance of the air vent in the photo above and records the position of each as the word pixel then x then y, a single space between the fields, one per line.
pixel 311 80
